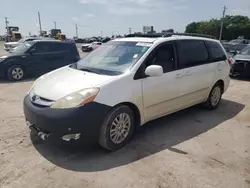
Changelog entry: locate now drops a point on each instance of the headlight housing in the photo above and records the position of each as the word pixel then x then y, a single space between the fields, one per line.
pixel 76 99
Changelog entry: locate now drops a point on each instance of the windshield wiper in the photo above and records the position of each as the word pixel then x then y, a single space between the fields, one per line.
pixel 88 70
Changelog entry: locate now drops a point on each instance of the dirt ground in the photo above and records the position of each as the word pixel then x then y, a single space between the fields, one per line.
pixel 191 148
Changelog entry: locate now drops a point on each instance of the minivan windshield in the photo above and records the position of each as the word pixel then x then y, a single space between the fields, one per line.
pixel 245 51
pixel 115 57
pixel 22 47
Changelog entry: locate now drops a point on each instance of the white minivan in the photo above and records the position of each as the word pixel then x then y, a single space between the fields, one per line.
pixel 124 84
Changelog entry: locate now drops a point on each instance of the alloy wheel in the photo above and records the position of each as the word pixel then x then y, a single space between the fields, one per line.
pixel 120 128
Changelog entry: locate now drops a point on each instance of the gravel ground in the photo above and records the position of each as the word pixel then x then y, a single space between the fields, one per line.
pixel 191 148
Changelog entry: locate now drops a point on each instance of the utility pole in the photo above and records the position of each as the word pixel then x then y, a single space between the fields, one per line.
pixel 76 30
pixel 6 24
pixel 55 25
pixel 130 30
pixel 8 38
pixel 222 21
pixel 101 33
pixel 40 25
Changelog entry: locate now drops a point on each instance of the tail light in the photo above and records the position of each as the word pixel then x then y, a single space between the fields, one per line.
pixel 230 61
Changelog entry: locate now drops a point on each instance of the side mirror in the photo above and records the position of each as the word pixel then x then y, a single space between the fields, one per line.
pixel 31 51
pixel 154 70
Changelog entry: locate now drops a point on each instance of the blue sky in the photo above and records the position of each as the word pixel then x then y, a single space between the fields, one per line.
pixel 113 15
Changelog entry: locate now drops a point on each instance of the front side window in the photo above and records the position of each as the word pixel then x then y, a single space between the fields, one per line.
pixel 114 56
pixel 164 56
pixel 216 51
pixel 192 53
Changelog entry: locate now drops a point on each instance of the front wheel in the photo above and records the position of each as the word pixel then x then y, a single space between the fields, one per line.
pixel 15 73
pixel 214 98
pixel 117 128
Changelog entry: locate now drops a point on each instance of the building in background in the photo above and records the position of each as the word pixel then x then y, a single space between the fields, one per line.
pixel 148 29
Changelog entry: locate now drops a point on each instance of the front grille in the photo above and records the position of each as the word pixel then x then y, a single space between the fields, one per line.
pixel 241 64
pixel 39 101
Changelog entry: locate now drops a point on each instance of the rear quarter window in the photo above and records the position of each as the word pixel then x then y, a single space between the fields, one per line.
pixel 192 53
pixel 216 51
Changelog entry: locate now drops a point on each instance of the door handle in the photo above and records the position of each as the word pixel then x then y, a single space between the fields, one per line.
pixel 188 73
pixel 179 75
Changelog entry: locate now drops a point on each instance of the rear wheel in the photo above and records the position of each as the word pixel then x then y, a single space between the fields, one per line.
pixel 117 129
pixel 214 98
pixel 15 73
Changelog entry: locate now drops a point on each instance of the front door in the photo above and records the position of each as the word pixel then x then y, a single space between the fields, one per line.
pixel 160 94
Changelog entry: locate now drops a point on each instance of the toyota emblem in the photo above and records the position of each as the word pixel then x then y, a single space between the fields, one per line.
pixel 33 98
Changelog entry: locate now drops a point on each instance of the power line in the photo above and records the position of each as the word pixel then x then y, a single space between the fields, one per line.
pixel 222 21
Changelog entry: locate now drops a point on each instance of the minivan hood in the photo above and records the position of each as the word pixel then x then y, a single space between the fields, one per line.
pixel 66 80
pixel 242 57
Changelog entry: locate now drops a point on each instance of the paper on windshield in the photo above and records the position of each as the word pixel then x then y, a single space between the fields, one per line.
pixel 145 44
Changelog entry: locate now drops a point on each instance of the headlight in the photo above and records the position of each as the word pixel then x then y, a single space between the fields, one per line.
pixel 3 58
pixel 76 99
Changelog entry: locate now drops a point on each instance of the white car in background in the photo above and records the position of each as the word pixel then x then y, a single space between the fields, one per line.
pixel 10 45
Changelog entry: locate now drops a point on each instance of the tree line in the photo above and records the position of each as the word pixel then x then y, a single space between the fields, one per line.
pixel 234 27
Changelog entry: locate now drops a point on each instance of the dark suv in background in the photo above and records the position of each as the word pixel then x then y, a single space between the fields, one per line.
pixel 36 58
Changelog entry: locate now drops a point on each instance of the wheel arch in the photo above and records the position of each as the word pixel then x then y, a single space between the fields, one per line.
pixel 135 110
pixel 221 83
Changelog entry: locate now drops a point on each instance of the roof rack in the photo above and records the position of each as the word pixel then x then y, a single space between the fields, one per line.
pixel 155 35
pixel 188 34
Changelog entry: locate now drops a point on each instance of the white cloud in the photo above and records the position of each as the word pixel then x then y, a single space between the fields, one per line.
pixel 240 7
pixel 129 7
pixel 90 15
pixel 75 19
pixel 93 1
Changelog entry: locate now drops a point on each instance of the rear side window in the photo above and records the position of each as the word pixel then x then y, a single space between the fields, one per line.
pixel 192 53
pixel 217 53
pixel 60 47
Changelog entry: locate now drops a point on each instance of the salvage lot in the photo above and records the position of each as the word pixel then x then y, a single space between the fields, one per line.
pixel 191 148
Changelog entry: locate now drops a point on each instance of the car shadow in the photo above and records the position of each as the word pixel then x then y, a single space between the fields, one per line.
pixel 156 136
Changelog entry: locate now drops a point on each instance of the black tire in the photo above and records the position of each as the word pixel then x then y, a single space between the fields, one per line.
pixel 104 136
pixel 209 104
pixel 10 74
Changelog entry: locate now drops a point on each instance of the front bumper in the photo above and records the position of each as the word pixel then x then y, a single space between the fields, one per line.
pixel 240 69
pixel 52 124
